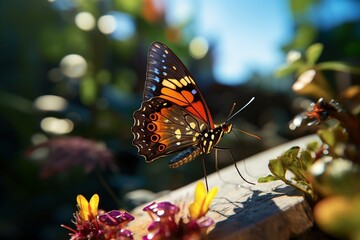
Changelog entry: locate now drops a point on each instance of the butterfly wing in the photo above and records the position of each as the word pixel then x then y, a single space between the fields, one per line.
pixel 162 127
pixel 168 78
pixel 174 113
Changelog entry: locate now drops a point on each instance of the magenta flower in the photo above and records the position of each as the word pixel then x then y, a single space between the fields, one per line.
pixel 165 225
pixel 94 224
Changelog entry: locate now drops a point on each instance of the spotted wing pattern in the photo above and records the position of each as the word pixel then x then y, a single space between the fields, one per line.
pixel 162 127
pixel 173 117
pixel 168 78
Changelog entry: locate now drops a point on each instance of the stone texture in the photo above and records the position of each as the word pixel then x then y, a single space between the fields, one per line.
pixel 243 211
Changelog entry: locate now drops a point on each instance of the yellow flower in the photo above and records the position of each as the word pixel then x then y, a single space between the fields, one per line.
pixel 87 210
pixel 202 201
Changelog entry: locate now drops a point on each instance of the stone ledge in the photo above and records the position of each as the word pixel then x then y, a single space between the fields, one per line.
pixel 243 211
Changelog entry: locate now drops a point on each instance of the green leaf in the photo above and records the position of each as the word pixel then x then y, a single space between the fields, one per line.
pixel 313 146
pixel 313 53
pixel 290 157
pixel 327 136
pixel 288 69
pixel 292 152
pixel 337 177
pixel 276 168
pixel 268 178
pixel 338 66
pixel 306 159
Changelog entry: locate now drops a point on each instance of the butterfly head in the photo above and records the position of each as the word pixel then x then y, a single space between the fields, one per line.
pixel 226 127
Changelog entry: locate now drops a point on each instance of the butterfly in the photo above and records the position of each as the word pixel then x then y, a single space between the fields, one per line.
pixel 174 118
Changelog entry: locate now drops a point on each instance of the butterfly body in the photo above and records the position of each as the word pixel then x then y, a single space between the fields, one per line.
pixel 173 118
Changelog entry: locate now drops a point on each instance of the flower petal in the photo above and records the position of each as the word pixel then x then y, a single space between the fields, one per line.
pixel 209 198
pixel 202 201
pixel 93 204
pixel 83 207
pixel 86 209
pixel 115 217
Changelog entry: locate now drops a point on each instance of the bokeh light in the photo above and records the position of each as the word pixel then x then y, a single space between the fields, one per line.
pixel 296 122
pixel 107 24
pixel 179 12
pixel 85 21
pixel 73 66
pixel 50 103
pixel 119 26
pixel 304 80
pixel 293 56
pixel 198 47
pixel 38 138
pixel 56 126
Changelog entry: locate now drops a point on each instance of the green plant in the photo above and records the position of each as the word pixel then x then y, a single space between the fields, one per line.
pixel 327 170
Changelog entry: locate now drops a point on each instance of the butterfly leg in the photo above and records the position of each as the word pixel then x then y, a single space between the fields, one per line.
pixel 205 175
pixel 233 159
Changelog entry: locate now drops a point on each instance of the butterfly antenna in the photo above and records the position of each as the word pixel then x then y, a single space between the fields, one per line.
pixel 247 133
pixel 252 99
pixel 231 111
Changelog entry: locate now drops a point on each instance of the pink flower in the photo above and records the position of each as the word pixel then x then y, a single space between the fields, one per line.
pixel 164 223
pixel 94 224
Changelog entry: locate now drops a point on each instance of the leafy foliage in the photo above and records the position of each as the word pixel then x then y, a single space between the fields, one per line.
pixel 327 170
pixel 291 167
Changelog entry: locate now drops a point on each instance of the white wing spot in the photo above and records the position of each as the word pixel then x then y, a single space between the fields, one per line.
pixel 178 133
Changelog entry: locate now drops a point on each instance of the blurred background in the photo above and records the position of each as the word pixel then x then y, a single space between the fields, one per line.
pixel 72 73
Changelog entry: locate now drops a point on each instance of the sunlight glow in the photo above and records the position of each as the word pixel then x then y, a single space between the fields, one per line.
pixel 293 56
pixel 198 47
pixel 50 103
pixel 304 79
pixel 85 21
pixel 296 122
pixel 73 66
pixel 107 24
pixel 56 125
pixel 118 25
pixel 181 12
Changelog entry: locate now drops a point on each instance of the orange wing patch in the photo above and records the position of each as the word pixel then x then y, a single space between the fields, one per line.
pixel 173 96
pixel 197 108
pixel 184 98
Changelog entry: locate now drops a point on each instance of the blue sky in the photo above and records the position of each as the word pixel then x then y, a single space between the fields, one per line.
pixel 248 34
